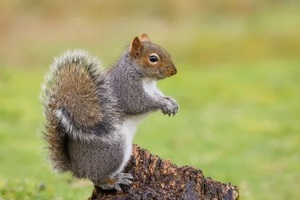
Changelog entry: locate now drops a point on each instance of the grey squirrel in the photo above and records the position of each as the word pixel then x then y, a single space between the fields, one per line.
pixel 91 115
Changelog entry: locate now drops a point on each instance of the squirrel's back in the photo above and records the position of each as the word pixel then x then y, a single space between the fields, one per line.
pixel 78 104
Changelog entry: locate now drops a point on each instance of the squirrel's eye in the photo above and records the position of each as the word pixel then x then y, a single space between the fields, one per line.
pixel 153 58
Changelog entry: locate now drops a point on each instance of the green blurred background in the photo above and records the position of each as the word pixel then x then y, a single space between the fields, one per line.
pixel 238 86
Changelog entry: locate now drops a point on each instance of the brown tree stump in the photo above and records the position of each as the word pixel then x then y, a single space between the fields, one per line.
pixel 160 179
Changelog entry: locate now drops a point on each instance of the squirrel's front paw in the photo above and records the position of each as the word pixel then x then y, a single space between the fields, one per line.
pixel 170 106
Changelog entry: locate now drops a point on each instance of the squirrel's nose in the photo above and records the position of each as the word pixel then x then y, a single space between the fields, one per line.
pixel 169 71
pixel 174 71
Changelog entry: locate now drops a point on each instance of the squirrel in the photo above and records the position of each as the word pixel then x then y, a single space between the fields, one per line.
pixel 92 114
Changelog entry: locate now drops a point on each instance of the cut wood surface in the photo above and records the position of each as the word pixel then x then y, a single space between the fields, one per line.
pixel 155 178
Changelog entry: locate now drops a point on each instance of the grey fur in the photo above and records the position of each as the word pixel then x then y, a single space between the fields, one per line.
pixel 125 93
pixel 102 159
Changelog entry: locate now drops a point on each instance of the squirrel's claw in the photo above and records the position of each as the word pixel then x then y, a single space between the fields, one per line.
pixel 118 187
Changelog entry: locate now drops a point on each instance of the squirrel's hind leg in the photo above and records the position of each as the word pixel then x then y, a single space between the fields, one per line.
pixel 116 181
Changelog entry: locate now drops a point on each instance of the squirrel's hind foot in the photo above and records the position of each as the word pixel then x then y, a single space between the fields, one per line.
pixel 115 182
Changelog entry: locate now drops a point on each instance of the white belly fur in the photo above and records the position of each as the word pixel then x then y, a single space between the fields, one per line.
pixel 128 128
pixel 127 131
pixel 150 87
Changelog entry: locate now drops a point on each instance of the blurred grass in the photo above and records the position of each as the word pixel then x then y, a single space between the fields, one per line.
pixel 237 85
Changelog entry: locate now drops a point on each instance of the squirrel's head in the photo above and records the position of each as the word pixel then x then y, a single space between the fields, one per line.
pixel 154 61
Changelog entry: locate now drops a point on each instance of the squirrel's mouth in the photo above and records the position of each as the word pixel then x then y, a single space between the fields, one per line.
pixel 161 77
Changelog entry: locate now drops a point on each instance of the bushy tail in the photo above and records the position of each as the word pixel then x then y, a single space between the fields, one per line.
pixel 77 103
pixel 57 146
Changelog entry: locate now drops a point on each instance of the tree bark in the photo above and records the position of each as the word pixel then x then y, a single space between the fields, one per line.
pixel 160 179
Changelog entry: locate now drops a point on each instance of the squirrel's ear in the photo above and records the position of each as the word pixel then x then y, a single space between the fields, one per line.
pixel 136 48
pixel 145 38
